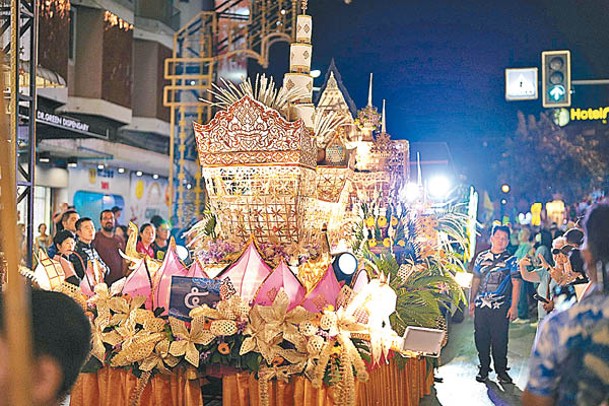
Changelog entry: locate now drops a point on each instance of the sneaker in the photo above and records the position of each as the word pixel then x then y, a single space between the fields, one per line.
pixel 504 377
pixel 521 321
pixel 482 377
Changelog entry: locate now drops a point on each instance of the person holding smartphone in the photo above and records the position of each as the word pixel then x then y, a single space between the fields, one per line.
pixel 570 358
pixel 542 275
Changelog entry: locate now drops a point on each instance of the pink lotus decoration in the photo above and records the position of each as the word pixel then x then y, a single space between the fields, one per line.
pixel 323 294
pixel 361 280
pixel 93 276
pixel 196 271
pixel 247 273
pixel 281 277
pixel 139 283
pixel 171 267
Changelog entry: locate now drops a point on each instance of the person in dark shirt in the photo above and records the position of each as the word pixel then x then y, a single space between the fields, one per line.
pixel 61 343
pixel 85 251
pixel 68 222
pixel 108 244
pixel 496 280
pixel 161 242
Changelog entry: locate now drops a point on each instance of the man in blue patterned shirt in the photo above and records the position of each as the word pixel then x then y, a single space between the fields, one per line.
pixel 496 280
pixel 569 362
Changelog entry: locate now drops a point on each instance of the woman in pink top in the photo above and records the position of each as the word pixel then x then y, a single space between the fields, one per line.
pixel 145 240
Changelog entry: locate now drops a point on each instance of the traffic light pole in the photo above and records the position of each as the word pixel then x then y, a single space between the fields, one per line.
pixel 590 82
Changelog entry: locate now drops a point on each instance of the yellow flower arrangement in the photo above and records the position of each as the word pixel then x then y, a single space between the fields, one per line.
pixel 370 222
pixel 402 243
pixel 387 242
pixel 382 221
pixel 394 221
pixel 372 242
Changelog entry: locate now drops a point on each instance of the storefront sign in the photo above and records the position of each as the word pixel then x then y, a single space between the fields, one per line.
pixel 589 114
pixel 65 122
pixel 46 116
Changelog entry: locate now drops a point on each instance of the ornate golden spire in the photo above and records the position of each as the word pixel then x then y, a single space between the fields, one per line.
pixel 304 6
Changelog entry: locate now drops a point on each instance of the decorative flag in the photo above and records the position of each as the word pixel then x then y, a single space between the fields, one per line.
pixel 281 277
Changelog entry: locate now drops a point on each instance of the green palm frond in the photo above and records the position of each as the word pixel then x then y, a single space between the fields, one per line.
pixel 206 227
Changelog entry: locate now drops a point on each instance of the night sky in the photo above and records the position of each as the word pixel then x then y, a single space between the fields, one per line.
pixel 440 64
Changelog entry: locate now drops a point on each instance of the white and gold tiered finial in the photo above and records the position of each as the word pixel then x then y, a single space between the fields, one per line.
pixel 299 77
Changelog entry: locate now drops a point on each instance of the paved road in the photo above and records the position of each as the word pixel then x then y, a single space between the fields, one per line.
pixel 459 367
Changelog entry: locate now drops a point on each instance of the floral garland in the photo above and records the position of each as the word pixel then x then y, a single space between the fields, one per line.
pixel 270 341
pixel 213 251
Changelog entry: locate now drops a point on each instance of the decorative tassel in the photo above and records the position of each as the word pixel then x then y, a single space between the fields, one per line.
pixel 136 395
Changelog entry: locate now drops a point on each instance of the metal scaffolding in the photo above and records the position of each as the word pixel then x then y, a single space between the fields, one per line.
pixel 19 32
pixel 199 47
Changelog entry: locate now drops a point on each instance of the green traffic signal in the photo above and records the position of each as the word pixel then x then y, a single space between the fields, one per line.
pixel 556 78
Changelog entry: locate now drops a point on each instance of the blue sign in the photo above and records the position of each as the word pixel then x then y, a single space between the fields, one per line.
pixel 189 293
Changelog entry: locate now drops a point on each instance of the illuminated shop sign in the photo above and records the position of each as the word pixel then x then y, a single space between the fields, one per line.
pixel 578 114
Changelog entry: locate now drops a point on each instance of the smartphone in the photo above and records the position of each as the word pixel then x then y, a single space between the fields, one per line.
pixel 534 264
pixel 540 298
pixel 535 261
pixel 564 297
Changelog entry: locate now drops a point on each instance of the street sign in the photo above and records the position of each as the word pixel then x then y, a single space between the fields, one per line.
pixel 521 84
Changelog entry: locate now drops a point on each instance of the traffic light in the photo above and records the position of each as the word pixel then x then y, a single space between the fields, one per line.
pixel 556 78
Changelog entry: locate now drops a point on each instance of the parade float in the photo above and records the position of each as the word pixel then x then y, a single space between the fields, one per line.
pixel 304 274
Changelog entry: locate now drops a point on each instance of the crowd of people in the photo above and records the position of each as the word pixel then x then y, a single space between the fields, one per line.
pixel 78 246
pixel 556 276
pixel 564 272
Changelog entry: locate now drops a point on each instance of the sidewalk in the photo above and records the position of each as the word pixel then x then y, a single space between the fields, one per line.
pixel 459 367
